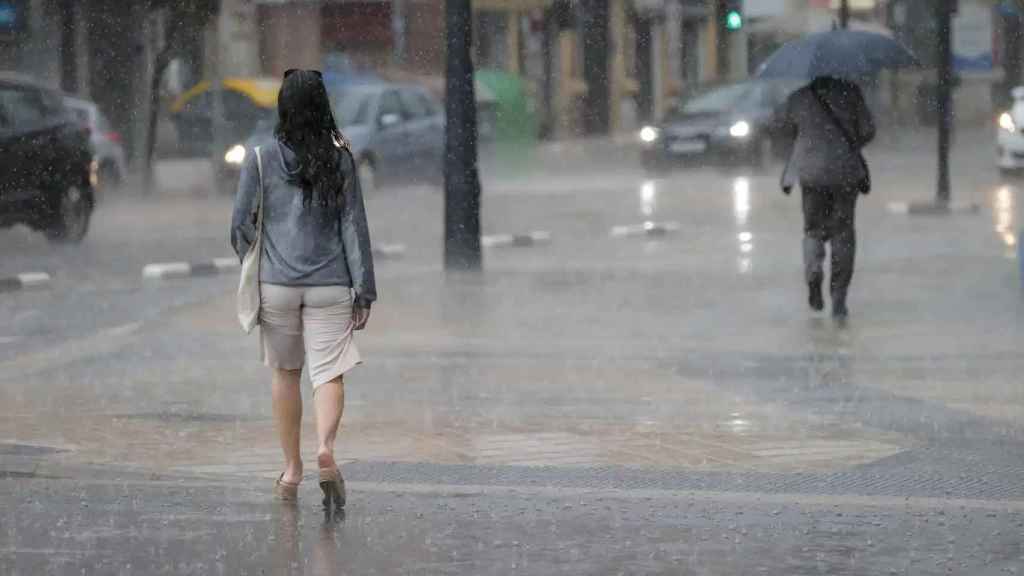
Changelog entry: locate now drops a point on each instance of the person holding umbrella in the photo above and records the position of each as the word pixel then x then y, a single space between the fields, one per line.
pixel 832 124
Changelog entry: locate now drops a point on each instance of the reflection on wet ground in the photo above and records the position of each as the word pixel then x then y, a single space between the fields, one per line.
pixel 1004 213
pixel 641 348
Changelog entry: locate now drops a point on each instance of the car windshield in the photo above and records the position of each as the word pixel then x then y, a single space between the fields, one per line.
pixel 720 99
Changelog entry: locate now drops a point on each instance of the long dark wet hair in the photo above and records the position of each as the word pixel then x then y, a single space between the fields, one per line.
pixel 306 125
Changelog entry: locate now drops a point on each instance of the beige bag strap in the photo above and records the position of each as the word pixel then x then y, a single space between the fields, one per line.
pixel 259 187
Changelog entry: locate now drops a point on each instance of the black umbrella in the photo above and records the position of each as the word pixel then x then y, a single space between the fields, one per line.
pixel 851 54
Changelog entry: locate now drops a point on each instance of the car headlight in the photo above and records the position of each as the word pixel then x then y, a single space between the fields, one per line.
pixel 649 134
pixel 1006 122
pixel 740 129
pixel 235 155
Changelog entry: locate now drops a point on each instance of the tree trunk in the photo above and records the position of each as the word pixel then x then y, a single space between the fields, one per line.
pixel 163 60
pixel 169 48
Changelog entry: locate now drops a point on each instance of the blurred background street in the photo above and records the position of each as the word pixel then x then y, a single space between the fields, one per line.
pixel 628 380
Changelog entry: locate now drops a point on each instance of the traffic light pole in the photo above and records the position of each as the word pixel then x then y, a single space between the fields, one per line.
pixel 844 14
pixel 944 19
pixel 942 204
pixel 461 174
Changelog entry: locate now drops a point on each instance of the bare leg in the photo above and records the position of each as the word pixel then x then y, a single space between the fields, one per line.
pixel 288 415
pixel 329 401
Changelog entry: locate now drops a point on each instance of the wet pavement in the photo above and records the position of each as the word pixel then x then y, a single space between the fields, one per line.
pixel 613 404
pixel 64 527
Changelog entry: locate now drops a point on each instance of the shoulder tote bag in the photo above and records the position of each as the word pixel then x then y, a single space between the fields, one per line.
pixel 863 185
pixel 249 282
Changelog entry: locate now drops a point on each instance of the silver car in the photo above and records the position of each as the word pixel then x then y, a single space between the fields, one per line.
pixel 106 142
pixel 396 132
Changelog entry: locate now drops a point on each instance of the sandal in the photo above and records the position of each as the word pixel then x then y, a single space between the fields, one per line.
pixel 285 491
pixel 333 486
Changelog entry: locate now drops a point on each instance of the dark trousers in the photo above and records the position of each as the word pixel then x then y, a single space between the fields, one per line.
pixel 829 218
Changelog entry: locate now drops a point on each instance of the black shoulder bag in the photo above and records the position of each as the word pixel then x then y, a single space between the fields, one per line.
pixel 864 184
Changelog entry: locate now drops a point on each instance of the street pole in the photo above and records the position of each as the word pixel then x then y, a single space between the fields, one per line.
pixel 944 96
pixel 68 47
pixel 461 174
pixel 844 14
pixel 1011 50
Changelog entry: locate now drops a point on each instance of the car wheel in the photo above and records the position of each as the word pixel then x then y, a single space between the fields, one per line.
pixel 70 221
pixel 367 175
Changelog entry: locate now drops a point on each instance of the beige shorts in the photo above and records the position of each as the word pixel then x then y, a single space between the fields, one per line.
pixel 308 323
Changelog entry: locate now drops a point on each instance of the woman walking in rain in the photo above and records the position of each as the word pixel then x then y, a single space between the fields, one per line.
pixel 300 205
pixel 832 124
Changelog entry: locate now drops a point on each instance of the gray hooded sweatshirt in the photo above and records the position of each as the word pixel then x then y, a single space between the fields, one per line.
pixel 303 245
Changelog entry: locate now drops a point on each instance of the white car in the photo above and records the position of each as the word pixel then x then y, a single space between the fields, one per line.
pixel 106 142
pixel 1011 135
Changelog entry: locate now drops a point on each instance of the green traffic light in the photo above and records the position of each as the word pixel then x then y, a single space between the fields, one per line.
pixel 733 20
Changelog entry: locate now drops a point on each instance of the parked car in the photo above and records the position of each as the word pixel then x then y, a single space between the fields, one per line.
pixel 1010 140
pixel 47 171
pixel 732 124
pixel 396 132
pixel 106 142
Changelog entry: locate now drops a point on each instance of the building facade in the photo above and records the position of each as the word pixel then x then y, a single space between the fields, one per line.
pixel 591 66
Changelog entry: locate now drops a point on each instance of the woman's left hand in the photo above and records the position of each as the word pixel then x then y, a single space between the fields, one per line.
pixel 360 316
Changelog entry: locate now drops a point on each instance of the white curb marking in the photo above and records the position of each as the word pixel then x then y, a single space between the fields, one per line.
pixel 34 279
pixel 899 207
pixel 161 270
pixel 166 270
pixel 645 229
pixel 931 209
pixel 389 250
pixel 529 239
pixel 226 263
